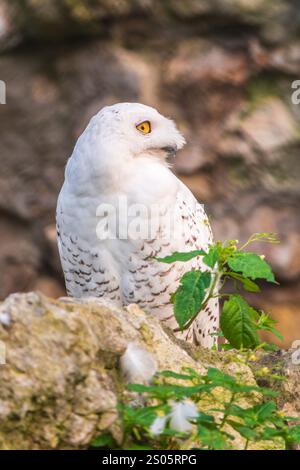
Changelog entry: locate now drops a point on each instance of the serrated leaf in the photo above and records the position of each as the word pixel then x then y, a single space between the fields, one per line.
pixel 213 438
pixel 248 285
pixel 212 256
pixel 264 410
pixel 256 414
pixel 244 431
pixel 251 265
pixel 181 256
pixel 189 296
pixel 237 323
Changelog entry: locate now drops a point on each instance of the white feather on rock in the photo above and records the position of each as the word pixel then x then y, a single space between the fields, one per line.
pixel 137 364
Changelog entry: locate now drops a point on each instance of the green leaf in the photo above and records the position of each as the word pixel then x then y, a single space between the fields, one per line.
pixel 251 265
pixel 237 323
pixel 167 391
pixel 181 256
pixel 269 347
pixel 266 323
pixel 254 415
pixel 248 285
pixel 293 434
pixel 189 296
pixel 264 410
pixel 212 256
pixel 244 431
pixel 205 419
pixel 219 377
pixel 105 440
pixel 270 433
pixel 139 417
pixel 175 375
pixel 212 438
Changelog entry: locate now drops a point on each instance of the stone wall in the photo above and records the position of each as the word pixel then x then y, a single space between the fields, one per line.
pixel 222 70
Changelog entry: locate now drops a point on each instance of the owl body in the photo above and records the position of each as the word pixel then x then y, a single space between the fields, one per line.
pixel 121 207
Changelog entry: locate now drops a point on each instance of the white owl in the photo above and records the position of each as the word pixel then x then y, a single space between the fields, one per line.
pixel 120 207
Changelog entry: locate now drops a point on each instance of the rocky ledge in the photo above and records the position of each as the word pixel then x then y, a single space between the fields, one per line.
pixel 61 380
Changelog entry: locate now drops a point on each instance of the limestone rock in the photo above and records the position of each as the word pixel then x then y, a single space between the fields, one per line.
pixel 61 381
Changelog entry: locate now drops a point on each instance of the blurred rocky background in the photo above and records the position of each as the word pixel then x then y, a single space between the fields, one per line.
pixel 223 69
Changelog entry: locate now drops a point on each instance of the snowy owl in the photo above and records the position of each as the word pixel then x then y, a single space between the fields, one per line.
pixel 121 207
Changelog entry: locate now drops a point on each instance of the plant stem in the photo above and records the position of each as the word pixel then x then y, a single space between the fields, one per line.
pixel 227 407
pixel 216 280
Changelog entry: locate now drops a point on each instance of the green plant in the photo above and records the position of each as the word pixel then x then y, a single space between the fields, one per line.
pixel 239 321
pixel 173 419
pixel 180 415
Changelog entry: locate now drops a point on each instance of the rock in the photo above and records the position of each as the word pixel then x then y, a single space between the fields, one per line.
pixel 242 8
pixel 284 58
pixel 61 381
pixel 269 126
pixel 261 131
pixel 68 368
pixel 203 61
pixel 285 363
pixel 48 286
pixel 202 73
pixel 19 257
pixel 50 21
pixel 9 34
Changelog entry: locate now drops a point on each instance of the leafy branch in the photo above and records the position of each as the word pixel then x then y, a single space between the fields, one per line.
pixel 173 419
pixel 222 262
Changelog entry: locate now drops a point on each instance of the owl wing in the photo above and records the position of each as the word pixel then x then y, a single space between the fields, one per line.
pixel 150 283
pixel 88 271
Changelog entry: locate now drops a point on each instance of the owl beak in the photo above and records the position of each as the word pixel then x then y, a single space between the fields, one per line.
pixel 170 151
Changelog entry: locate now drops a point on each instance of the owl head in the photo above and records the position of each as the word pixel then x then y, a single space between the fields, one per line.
pixel 135 130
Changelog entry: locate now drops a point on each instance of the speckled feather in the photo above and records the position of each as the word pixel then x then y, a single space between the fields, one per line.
pixel 112 160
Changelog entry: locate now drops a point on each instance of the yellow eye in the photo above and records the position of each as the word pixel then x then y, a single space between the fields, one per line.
pixel 144 127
